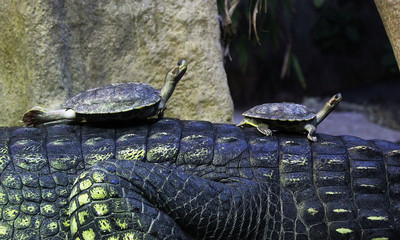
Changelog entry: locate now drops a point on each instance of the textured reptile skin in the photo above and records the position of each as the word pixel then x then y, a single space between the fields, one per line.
pixel 177 179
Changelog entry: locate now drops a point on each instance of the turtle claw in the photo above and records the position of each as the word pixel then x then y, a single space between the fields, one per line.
pixel 264 130
pixel 312 138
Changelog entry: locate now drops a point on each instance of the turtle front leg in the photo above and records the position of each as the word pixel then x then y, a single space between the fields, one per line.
pixel 264 129
pixel 161 108
pixel 311 130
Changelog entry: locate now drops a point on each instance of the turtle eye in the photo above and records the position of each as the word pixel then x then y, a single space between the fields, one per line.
pixel 181 62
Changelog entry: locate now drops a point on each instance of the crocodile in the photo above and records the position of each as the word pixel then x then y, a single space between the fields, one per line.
pixel 175 179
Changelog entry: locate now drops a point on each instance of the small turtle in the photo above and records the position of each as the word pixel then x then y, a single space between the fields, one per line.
pixel 289 117
pixel 118 101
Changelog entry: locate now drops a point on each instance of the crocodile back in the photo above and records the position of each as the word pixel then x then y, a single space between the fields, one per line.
pixel 194 179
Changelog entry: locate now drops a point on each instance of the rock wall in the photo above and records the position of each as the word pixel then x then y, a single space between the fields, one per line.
pixel 53 49
pixel 390 14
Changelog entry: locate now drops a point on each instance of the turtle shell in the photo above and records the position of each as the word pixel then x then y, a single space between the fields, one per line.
pixel 114 98
pixel 281 112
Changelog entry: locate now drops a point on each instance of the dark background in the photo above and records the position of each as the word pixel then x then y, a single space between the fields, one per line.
pixel 340 46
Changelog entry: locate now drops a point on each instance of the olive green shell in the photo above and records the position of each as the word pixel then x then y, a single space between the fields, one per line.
pixel 114 98
pixel 281 112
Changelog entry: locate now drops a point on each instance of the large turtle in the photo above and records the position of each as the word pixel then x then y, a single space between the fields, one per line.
pixel 118 101
pixel 289 117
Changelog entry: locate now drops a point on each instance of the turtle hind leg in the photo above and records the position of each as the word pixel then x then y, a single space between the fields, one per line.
pixel 38 115
pixel 311 129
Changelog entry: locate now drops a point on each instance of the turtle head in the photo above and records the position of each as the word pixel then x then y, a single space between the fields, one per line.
pixel 328 108
pixel 334 101
pixel 177 72
pixel 171 79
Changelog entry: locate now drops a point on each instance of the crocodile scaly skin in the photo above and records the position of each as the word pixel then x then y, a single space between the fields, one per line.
pixel 175 179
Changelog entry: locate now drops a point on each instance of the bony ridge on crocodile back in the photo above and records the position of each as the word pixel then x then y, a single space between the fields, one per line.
pixel 118 101
pixel 288 117
pixel 173 179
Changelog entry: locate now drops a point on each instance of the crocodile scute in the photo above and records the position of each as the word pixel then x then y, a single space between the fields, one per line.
pixel 174 179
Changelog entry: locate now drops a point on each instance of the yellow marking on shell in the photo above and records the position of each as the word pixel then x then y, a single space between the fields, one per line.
pixel 105 225
pixel 101 209
pixel 377 218
pixel 121 223
pixel 99 176
pixel 131 154
pixel 98 193
pixel 82 216
pixel 341 210
pixel 83 199
pixel 344 230
pixel 251 124
pixel 312 211
pixel 89 234
pixel 85 184
pixel 74 226
pixel 380 238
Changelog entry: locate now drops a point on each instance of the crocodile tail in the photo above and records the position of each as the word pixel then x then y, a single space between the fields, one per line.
pixel 33 117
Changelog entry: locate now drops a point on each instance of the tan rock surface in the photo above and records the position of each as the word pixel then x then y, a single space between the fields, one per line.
pixel 52 50
pixel 390 15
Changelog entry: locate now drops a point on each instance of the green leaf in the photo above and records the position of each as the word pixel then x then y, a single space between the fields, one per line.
pixel 298 71
pixel 318 3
